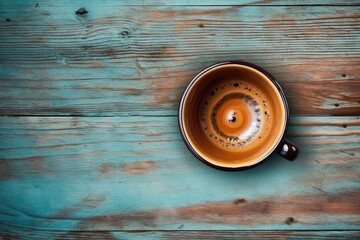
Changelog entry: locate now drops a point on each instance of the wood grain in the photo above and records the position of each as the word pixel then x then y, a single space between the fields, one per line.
pixel 103 60
pixel 135 173
pixel 205 235
pixel 92 149
pixel 190 3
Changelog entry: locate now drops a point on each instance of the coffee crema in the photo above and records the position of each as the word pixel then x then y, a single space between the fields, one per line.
pixel 235 114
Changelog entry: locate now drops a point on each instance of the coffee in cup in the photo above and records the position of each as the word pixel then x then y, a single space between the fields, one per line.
pixel 234 115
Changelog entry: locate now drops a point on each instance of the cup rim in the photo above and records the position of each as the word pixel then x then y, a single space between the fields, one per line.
pixel 186 91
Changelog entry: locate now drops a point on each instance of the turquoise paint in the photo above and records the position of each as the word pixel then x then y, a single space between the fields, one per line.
pixel 56 63
pixel 74 150
pixel 80 3
pixel 50 71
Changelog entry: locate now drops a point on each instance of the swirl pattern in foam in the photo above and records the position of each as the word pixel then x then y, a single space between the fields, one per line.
pixel 234 114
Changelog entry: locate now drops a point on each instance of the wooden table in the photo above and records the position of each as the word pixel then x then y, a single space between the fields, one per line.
pixel 89 143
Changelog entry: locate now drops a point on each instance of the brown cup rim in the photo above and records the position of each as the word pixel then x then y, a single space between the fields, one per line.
pixel 181 103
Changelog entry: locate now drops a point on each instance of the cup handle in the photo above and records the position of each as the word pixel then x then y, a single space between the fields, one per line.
pixel 288 150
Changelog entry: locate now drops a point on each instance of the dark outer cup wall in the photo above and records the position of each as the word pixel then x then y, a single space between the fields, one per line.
pixel 269 76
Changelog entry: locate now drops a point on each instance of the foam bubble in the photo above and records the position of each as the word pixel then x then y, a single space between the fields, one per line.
pixel 254 126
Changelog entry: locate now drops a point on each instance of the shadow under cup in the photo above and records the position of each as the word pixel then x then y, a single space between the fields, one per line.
pixel 233 115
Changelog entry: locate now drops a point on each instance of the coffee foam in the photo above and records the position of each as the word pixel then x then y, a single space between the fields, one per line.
pixel 237 126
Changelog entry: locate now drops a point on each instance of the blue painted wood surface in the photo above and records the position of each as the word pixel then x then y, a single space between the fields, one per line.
pixel 88 133
pixel 137 60
pixel 135 173
pixel 176 235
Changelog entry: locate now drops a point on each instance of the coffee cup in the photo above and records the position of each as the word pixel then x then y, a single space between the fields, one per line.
pixel 233 115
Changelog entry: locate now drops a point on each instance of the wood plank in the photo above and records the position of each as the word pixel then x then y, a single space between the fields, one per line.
pixel 135 173
pixel 131 60
pixel 191 3
pixel 206 235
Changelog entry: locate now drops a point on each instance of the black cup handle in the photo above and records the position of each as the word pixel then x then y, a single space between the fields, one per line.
pixel 288 150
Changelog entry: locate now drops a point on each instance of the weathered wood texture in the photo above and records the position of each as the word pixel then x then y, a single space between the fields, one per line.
pixel 131 60
pixel 190 235
pixel 197 3
pixel 134 173
pixel 98 177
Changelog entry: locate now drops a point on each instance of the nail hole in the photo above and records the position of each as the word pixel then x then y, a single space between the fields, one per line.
pixel 336 104
pixel 201 25
pixel 8 20
pixel 344 75
pixel 124 33
pixel 81 12
pixel 240 200
pixel 344 126
pixel 290 220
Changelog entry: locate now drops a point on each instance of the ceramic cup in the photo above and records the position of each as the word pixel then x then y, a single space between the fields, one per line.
pixel 233 115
